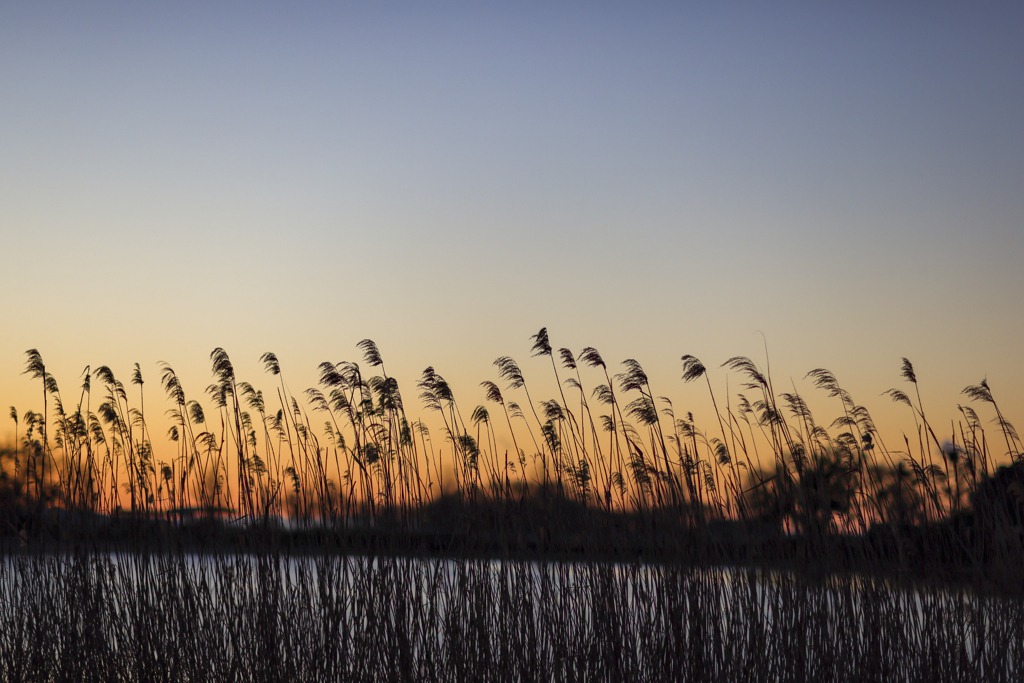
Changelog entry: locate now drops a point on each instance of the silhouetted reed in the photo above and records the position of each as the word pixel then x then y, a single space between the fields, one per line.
pixel 596 535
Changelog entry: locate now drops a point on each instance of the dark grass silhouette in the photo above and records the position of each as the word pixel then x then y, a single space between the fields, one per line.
pixel 615 541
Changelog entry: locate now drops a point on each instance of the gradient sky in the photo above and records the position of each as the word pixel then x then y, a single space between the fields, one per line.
pixel 846 180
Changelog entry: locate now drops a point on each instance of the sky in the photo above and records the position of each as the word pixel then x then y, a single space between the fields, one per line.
pixel 811 185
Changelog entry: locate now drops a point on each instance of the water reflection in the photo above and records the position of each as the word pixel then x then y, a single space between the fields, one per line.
pixel 543 619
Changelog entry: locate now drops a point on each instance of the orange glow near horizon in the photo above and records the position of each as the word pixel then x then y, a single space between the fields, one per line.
pixel 896 424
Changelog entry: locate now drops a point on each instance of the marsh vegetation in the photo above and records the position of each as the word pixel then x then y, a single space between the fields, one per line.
pixel 595 535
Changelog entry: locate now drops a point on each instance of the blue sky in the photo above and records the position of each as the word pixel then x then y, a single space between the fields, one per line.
pixel 650 179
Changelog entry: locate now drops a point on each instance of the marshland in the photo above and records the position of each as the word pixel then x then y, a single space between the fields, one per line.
pixel 638 492
pixel 365 531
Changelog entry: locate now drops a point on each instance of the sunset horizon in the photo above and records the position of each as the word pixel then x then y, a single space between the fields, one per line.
pixel 528 341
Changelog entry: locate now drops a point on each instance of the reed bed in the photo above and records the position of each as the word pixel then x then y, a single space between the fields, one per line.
pixel 596 535
pixel 329 618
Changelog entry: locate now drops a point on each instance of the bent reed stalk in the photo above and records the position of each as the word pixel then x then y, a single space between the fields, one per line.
pixel 618 541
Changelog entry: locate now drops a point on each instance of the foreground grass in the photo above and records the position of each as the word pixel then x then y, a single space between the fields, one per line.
pixel 329 618
pixel 614 541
